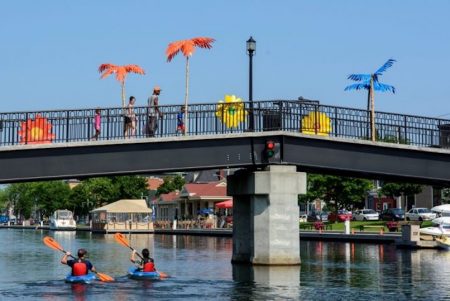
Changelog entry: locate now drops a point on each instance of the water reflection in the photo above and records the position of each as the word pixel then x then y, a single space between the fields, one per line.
pixel 200 268
pixel 282 280
pixel 79 291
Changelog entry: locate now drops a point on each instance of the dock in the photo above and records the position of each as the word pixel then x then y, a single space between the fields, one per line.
pixel 410 239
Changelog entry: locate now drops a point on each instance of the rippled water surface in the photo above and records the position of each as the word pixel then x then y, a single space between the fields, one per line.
pixel 200 269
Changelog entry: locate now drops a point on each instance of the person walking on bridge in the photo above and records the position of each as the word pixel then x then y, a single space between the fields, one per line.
pixel 129 128
pixel 153 112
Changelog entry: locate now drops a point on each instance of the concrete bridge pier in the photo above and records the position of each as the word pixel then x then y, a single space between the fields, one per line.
pixel 265 215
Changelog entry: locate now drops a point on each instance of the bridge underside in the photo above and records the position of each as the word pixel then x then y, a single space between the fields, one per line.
pixel 146 156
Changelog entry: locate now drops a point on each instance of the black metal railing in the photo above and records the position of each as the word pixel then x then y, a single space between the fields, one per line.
pixel 19 128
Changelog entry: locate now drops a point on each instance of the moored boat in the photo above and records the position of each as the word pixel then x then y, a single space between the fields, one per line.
pixel 443 242
pixel 88 278
pixel 135 273
pixel 441 227
pixel 62 220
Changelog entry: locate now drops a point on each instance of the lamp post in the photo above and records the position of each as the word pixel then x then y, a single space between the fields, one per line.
pixel 251 48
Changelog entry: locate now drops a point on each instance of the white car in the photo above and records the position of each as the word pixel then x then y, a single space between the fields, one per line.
pixel 420 214
pixel 365 215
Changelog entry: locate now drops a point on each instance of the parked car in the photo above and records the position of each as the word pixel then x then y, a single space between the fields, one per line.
pixel 341 216
pixel 420 214
pixel 317 216
pixel 366 215
pixel 393 214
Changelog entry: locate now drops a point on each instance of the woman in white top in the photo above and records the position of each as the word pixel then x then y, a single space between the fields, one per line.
pixel 130 119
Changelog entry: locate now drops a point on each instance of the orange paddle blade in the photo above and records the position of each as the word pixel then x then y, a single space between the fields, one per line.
pixel 163 275
pixel 121 239
pixel 104 277
pixel 51 243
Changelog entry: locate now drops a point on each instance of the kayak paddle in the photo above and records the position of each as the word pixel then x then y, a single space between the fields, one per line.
pixel 53 244
pixel 122 240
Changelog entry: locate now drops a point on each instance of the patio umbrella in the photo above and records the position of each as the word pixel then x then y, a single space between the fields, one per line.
pixel 225 204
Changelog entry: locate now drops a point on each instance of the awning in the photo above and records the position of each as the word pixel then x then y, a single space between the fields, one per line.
pixel 225 204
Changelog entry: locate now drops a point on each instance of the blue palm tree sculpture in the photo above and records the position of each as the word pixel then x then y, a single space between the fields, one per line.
pixel 370 82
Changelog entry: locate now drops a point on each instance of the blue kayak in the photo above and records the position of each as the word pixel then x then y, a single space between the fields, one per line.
pixel 135 273
pixel 81 279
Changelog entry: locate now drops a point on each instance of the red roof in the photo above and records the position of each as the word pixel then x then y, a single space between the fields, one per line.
pixel 154 183
pixel 171 196
pixel 215 189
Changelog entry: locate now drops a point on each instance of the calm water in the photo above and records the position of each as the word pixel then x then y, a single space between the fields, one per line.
pixel 200 269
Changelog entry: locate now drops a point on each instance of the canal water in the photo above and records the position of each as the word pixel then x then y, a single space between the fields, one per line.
pixel 200 269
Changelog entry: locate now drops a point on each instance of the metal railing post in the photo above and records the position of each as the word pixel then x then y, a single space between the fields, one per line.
pixel 67 126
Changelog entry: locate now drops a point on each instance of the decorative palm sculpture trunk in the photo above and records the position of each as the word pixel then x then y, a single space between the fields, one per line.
pixel 187 47
pixel 370 82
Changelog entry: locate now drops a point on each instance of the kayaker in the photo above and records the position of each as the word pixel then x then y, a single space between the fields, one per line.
pixel 80 266
pixel 147 264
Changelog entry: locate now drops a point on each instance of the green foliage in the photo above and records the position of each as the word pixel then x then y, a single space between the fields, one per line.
pixel 171 183
pixel 446 195
pixel 397 189
pixel 337 192
pixel 46 197
pixel 130 187
pixel 3 200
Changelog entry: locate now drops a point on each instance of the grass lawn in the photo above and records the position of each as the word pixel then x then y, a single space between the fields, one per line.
pixel 339 226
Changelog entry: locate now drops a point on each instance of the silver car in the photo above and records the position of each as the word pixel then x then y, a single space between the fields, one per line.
pixel 420 214
pixel 365 215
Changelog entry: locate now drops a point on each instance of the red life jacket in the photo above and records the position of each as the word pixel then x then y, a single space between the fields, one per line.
pixel 149 267
pixel 79 268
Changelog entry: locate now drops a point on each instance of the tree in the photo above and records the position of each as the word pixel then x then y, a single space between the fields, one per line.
pixel 4 202
pixel 370 82
pixel 50 196
pixel 121 74
pixel 42 197
pixel 399 189
pixel 187 47
pixel 100 191
pixel 171 183
pixel 19 196
pixel 130 187
pixel 337 192
pixel 96 192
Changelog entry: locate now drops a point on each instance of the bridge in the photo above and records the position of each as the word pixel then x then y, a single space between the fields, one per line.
pixel 309 137
pixel 315 138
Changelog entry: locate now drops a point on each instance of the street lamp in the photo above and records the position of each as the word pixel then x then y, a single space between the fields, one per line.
pixel 251 48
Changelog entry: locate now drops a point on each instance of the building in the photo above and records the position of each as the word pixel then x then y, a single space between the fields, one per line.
pixel 193 200
pixel 122 215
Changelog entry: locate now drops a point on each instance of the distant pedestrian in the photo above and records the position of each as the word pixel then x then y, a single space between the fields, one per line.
pixel 97 124
pixel 153 112
pixel 180 121
pixel 130 119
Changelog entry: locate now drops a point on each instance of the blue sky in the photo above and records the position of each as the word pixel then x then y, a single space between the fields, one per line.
pixel 50 51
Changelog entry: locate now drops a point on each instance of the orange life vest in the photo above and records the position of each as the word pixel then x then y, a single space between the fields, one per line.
pixel 79 268
pixel 149 267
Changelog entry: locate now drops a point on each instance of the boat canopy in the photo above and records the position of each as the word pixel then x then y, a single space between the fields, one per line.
pixel 63 214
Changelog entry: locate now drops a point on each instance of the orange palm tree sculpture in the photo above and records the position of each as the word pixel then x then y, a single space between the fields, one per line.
pixel 121 73
pixel 187 47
